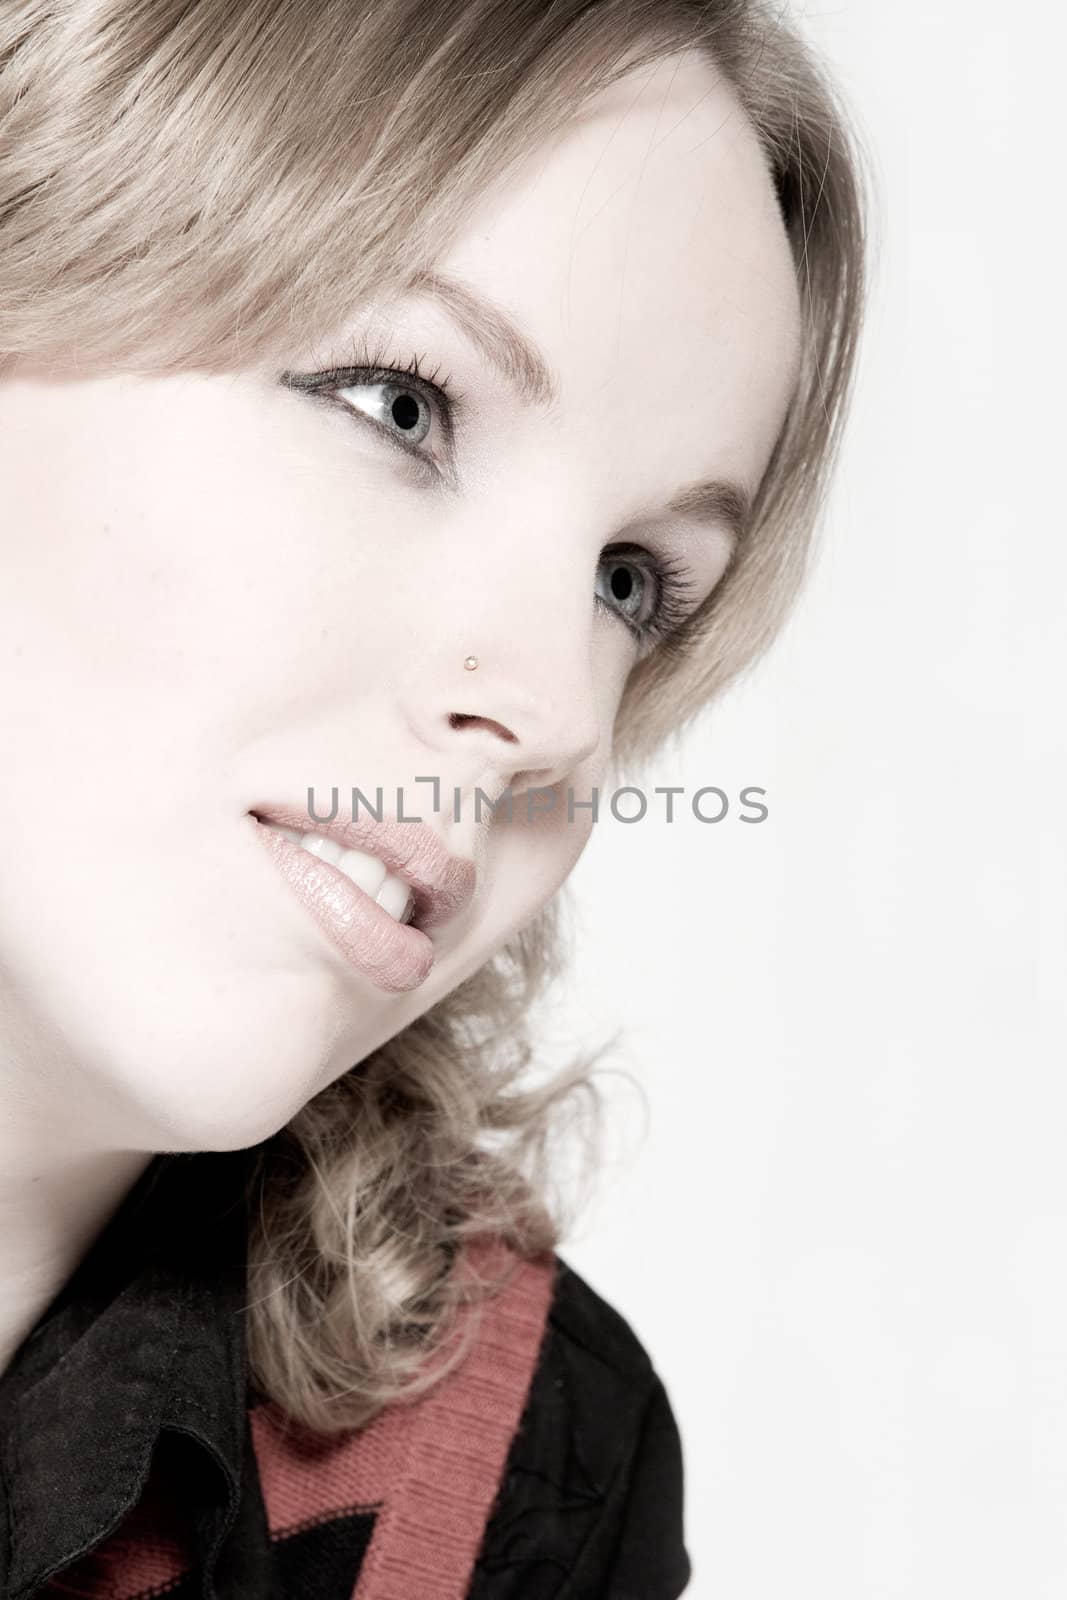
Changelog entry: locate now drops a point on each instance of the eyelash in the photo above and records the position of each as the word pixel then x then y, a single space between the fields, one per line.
pixel 368 366
pixel 668 573
pixel 672 585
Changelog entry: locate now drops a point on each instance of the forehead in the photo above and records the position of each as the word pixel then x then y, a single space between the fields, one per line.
pixel 642 246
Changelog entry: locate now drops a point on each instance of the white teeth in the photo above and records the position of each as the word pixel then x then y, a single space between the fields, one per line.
pixel 316 844
pixel 363 869
pixel 394 895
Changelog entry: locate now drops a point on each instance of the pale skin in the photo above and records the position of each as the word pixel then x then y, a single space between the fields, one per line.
pixel 216 588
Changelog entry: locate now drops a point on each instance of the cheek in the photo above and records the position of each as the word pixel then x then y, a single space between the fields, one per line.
pixel 154 596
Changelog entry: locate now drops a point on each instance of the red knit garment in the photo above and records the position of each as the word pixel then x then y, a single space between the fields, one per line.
pixel 429 1468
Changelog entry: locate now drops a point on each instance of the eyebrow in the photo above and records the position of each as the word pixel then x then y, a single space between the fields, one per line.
pixel 715 500
pixel 507 348
pixel 492 332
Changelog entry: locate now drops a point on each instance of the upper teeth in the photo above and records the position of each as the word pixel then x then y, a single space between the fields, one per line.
pixel 365 871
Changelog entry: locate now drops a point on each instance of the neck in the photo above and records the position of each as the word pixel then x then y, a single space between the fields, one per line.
pixel 60 1183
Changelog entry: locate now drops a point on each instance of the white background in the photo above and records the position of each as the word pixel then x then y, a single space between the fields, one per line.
pixel 844 1237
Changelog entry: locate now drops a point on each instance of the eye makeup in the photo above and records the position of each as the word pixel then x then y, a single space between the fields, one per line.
pixel 406 388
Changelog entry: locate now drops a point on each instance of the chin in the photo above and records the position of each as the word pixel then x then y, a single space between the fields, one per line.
pixel 217 1065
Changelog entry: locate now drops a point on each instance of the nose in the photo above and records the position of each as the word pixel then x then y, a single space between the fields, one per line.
pixel 527 713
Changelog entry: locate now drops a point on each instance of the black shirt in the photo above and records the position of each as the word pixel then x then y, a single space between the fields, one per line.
pixel 139 1363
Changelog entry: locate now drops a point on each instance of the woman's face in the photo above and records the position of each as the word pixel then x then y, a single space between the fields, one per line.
pixel 220 591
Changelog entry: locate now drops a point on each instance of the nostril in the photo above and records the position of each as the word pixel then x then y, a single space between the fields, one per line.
pixel 463 719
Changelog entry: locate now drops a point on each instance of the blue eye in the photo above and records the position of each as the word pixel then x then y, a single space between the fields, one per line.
pixel 646 592
pixel 396 399
pixel 393 405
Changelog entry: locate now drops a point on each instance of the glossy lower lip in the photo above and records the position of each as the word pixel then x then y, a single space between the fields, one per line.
pixel 395 956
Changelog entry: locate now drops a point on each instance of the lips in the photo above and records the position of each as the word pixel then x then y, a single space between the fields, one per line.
pixel 442 884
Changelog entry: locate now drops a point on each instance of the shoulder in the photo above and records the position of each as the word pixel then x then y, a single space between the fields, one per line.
pixel 591 1496
pixel 592 1328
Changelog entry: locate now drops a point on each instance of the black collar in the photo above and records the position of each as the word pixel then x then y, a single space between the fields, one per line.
pixel 147 1335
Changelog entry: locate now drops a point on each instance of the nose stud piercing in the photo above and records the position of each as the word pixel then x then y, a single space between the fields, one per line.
pixel 470 663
